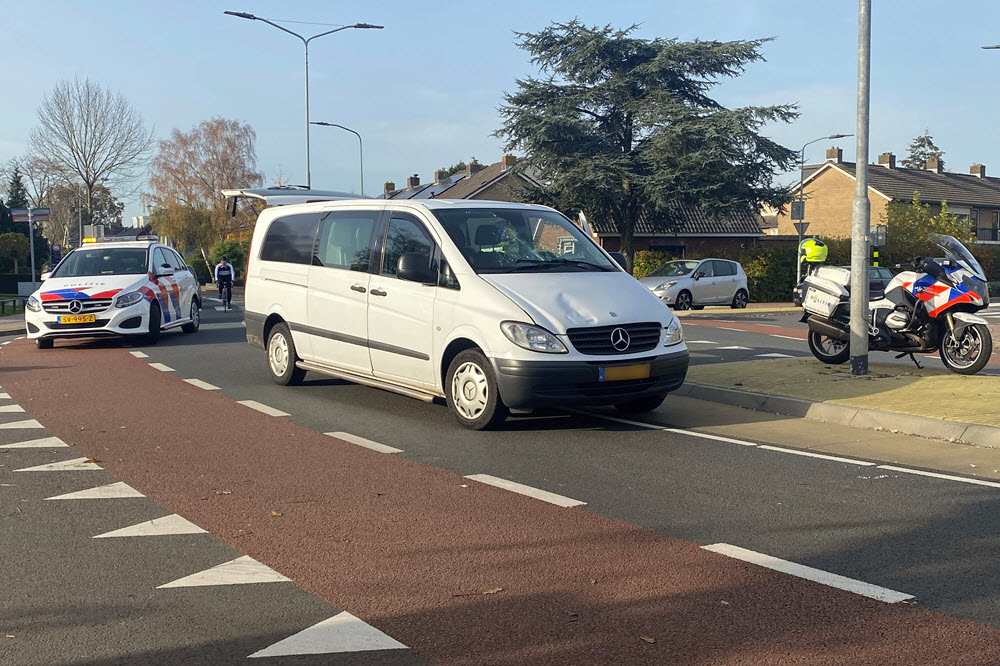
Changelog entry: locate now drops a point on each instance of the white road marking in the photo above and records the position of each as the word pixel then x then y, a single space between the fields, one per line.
pixel 513 486
pixel 27 423
pixel 701 342
pixel 260 407
pixel 816 575
pixel 810 454
pixel 161 367
pixel 202 385
pixel 139 354
pixel 241 571
pixel 735 348
pixel 705 435
pixel 786 337
pixel 74 465
pixel 213 299
pixel 43 443
pixel 4 344
pixel 4 396
pixel 117 490
pixel 947 477
pixel 774 355
pixel 10 409
pixel 367 443
pixel 221 308
pixel 341 633
pixel 167 525
pixel 726 328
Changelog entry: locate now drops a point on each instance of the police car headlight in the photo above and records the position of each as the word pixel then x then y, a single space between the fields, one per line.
pixel 673 334
pixel 125 300
pixel 533 338
pixel 33 304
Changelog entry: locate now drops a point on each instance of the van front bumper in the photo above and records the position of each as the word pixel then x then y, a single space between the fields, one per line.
pixel 527 384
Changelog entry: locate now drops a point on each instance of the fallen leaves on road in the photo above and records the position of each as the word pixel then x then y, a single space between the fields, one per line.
pixel 7 485
pixel 492 590
pixel 91 460
pixel 738 383
pixel 648 639
pixel 593 581
pixel 464 485
pixel 275 513
pixel 223 492
pixel 9 636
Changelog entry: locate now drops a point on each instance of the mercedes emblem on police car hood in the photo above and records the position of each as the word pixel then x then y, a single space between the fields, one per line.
pixel 620 339
pixel 75 307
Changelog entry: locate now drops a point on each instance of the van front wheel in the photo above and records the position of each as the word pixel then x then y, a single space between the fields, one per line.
pixel 471 389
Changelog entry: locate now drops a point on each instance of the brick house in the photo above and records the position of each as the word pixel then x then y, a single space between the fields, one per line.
pixel 496 182
pixel 698 234
pixel 829 195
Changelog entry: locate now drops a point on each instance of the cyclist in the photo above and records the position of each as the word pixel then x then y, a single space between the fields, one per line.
pixel 224 276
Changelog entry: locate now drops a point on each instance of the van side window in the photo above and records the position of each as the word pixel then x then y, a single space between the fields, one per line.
pixel 345 239
pixel 290 239
pixel 406 234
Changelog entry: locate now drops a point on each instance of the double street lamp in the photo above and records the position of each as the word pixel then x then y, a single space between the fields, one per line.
pixel 800 225
pixel 361 149
pixel 305 43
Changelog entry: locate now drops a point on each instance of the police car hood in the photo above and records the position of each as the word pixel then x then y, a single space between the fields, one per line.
pixel 558 301
pixel 91 286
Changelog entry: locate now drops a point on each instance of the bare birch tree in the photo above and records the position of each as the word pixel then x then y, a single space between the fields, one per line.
pixel 92 135
pixel 187 175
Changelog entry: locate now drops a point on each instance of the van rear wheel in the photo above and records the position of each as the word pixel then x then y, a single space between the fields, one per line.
pixel 471 389
pixel 281 357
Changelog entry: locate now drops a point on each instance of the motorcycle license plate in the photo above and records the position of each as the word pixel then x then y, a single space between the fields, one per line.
pixel 819 302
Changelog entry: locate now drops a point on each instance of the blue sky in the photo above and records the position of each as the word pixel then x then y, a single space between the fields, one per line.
pixel 424 91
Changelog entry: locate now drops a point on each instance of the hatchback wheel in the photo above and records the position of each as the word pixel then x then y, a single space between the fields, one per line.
pixel 740 299
pixel 683 301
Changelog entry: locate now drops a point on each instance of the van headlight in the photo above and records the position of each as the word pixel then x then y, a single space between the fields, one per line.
pixel 33 304
pixel 666 285
pixel 125 300
pixel 533 338
pixel 673 334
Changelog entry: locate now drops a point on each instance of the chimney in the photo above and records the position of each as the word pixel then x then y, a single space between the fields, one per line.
pixel 978 170
pixel 473 167
pixel 413 181
pixel 835 155
pixel 389 187
pixel 888 160
pixel 440 175
pixel 507 161
pixel 934 164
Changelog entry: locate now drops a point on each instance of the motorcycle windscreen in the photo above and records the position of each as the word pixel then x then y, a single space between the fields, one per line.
pixel 958 253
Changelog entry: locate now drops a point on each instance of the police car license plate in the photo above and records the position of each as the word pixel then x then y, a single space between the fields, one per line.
pixel 617 373
pixel 819 302
pixel 77 319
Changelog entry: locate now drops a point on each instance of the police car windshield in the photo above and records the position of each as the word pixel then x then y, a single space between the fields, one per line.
pixel 91 261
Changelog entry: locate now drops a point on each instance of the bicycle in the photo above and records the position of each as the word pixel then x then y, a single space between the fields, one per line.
pixel 226 293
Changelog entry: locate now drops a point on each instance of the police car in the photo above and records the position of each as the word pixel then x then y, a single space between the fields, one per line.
pixel 136 288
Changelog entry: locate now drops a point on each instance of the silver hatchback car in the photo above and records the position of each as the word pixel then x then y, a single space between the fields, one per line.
pixel 692 284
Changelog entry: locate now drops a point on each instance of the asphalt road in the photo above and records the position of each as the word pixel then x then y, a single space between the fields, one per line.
pixel 931 538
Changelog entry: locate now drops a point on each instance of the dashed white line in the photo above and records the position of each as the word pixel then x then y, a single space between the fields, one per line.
pixel 726 328
pixel 139 354
pixel 367 443
pixel 786 337
pixel 735 348
pixel 774 355
pixel 705 435
pixel 810 454
pixel 816 575
pixel 202 385
pixel 161 367
pixel 264 409
pixel 701 342
pixel 522 489
pixel 935 475
pixel 221 308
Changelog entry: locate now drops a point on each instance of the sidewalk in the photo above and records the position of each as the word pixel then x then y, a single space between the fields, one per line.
pixel 12 325
pixel 928 403
pixel 751 310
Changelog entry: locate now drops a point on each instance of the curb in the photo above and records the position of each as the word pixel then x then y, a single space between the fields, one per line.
pixel 872 419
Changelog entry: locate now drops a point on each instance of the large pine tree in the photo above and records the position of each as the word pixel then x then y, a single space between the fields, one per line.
pixel 921 149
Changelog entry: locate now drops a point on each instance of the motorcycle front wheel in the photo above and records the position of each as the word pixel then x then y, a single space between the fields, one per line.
pixel 970 352
pixel 827 349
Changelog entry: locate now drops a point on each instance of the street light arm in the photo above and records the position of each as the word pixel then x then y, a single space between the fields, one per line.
pixel 328 32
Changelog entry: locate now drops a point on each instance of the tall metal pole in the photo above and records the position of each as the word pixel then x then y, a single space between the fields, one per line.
pixel 308 165
pixel 861 210
pixel 31 236
pixel 79 211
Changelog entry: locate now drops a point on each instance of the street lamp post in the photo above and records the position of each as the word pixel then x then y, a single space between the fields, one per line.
pixel 361 149
pixel 305 43
pixel 861 208
pixel 802 177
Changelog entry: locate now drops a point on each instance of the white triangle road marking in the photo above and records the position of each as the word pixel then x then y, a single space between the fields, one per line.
pixel 43 443
pixel 15 425
pixel 735 348
pixel 261 407
pixel 74 465
pixel 117 490
pixel 161 367
pixel 220 308
pixel 775 355
pixel 10 409
pixel 241 571
pixel 139 354
pixel 341 633
pixel 202 385
pixel 4 396
pixel 172 524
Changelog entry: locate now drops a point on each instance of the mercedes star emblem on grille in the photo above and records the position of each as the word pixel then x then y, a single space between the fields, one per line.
pixel 75 307
pixel 620 339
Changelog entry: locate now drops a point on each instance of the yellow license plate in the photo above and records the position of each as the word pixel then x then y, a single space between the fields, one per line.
pixel 617 373
pixel 77 319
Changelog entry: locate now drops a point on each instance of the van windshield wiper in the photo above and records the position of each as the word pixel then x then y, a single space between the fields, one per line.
pixel 526 265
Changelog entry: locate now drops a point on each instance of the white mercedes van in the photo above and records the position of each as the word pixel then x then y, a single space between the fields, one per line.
pixel 493 306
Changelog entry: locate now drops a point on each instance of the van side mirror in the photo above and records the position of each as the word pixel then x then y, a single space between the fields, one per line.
pixel 413 267
pixel 620 259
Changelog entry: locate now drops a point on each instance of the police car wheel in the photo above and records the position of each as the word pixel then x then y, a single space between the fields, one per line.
pixel 195 318
pixel 153 336
pixel 42 343
pixel 281 357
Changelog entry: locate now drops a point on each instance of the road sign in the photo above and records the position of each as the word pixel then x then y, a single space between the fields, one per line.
pixel 801 227
pixel 798 210
pixel 878 237
pixel 37 215
pixel 55 254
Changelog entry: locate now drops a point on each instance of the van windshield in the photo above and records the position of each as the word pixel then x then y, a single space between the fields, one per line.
pixel 511 240
pixel 85 262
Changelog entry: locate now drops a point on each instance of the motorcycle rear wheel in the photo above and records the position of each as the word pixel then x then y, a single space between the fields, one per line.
pixel 970 353
pixel 828 349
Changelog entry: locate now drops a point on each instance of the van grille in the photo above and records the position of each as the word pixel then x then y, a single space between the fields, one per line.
pixel 600 340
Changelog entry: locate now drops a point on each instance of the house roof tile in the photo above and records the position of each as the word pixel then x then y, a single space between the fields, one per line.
pixel 695 220
pixel 955 188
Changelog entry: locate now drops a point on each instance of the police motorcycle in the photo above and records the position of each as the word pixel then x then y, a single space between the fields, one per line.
pixel 925 310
